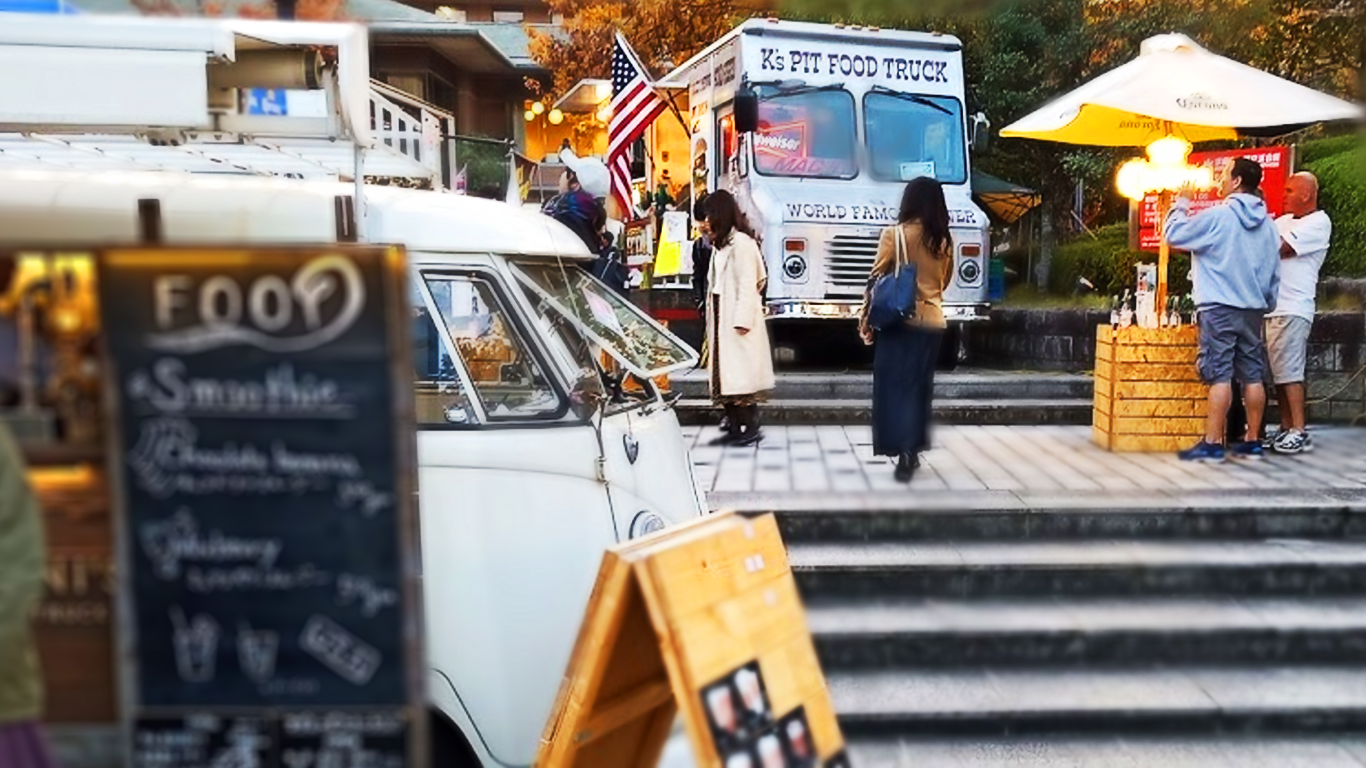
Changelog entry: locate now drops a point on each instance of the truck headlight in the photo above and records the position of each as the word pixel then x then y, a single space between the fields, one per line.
pixel 969 271
pixel 647 523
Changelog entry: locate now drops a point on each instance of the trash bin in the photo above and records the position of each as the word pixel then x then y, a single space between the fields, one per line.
pixel 996 279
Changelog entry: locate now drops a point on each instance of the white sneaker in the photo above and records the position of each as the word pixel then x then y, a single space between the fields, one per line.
pixel 1293 441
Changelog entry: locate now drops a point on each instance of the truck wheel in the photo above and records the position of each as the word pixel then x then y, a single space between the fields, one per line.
pixel 449 747
pixel 948 349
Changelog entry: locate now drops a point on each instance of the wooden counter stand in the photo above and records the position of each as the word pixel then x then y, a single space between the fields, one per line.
pixel 1149 396
pixel 675 618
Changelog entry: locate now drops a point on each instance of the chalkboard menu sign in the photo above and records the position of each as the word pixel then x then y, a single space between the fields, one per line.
pixel 266 531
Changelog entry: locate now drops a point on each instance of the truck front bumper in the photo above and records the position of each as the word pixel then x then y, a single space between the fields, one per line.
pixel 849 310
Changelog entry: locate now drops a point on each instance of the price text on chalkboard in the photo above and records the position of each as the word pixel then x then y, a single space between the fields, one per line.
pixel 264 447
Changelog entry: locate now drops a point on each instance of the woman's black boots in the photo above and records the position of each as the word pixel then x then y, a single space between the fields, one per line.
pixel 906 465
pixel 730 427
pixel 750 433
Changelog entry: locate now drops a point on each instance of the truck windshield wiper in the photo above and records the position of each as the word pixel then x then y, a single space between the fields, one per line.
pixel 778 91
pixel 911 97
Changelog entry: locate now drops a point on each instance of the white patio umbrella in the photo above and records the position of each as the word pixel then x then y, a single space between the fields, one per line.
pixel 1177 88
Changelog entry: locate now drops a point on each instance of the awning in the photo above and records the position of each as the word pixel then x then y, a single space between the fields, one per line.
pixel 1006 201
pixel 585 97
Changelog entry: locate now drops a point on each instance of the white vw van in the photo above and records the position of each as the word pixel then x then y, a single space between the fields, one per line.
pixel 541 439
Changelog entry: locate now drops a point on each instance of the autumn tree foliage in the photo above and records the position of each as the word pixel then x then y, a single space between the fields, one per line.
pixel 663 32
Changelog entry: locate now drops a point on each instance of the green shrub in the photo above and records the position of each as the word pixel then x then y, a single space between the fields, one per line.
pixel 1318 149
pixel 1342 193
pixel 1108 263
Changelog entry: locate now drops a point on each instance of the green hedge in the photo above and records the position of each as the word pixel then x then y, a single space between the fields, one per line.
pixel 1108 263
pixel 1342 193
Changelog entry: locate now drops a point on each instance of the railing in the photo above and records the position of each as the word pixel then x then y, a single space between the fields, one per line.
pixel 414 129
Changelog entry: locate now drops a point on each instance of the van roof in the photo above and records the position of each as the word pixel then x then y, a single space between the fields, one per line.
pixel 40 208
pixel 805 29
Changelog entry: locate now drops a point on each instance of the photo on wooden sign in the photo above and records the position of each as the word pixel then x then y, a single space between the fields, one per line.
pixel 737 708
pixel 840 760
pixel 795 733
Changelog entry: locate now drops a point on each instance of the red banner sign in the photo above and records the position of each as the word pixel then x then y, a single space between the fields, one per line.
pixel 1275 162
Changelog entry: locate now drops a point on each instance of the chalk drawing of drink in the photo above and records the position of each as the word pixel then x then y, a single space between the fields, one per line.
pixel 196 646
pixel 256 652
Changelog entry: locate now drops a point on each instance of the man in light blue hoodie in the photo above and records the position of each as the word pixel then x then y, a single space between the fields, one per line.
pixel 1235 251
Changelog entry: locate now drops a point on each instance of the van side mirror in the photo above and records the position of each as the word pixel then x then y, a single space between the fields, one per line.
pixel 746 110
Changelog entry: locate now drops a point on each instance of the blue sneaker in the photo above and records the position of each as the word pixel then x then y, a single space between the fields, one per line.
pixel 1203 451
pixel 1251 450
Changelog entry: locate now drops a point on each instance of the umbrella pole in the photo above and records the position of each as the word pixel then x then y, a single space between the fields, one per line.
pixel 1164 203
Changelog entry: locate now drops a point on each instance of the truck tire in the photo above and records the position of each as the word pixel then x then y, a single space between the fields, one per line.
pixel 450 749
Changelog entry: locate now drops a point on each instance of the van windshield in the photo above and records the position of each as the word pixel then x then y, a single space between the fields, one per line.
pixel 808 134
pixel 911 135
pixel 622 330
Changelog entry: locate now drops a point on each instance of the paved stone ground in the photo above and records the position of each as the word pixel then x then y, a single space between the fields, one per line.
pixel 990 467
pixel 820 463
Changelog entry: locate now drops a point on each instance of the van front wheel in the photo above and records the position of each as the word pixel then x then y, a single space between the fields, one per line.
pixel 449 747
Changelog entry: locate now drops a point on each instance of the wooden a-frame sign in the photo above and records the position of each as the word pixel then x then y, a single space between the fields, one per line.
pixel 702 619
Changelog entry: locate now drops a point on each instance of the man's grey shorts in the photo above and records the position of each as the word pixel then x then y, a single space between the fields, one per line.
pixel 1231 345
pixel 1287 345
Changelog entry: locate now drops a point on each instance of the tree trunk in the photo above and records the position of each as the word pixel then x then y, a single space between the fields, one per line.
pixel 1047 241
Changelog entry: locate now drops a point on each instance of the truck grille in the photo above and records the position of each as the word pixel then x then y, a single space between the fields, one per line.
pixel 850 260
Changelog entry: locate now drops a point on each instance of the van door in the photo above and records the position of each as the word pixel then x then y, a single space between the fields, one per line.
pixel 646 461
pixel 514 518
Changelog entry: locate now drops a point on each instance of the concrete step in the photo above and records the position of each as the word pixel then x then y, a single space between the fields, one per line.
pixel 962 385
pixel 1018 411
pixel 992 517
pixel 1193 700
pixel 940 633
pixel 1096 568
pixel 1223 751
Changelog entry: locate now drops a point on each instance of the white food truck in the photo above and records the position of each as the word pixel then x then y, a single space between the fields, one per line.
pixel 541 438
pixel 844 117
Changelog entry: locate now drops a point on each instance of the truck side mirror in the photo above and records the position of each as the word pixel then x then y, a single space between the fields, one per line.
pixel 980 132
pixel 746 110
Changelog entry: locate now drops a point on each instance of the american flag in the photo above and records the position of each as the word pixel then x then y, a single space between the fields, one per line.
pixel 635 104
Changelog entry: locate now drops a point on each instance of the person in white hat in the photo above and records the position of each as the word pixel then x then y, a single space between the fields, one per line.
pixel 579 204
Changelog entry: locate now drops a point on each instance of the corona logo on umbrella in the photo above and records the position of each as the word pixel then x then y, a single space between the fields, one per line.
pixel 1165 170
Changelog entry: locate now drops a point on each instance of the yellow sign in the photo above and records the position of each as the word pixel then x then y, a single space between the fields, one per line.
pixel 702 620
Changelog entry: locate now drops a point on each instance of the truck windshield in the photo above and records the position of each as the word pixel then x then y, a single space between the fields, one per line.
pixel 808 134
pixel 911 135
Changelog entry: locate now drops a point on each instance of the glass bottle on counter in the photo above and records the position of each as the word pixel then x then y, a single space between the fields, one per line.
pixel 1126 310
pixel 1114 312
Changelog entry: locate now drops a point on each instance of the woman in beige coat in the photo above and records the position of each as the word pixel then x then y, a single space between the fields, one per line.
pixel 741 360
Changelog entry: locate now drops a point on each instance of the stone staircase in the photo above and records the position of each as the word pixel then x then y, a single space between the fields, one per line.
pixel 963 397
pixel 1232 633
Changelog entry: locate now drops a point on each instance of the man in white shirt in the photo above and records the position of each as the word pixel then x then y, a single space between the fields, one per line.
pixel 1305 231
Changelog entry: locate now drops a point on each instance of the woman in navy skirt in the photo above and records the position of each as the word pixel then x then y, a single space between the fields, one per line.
pixel 904 357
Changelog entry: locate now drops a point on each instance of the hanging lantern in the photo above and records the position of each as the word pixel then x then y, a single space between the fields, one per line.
pixel 1165 170
pixel 555 117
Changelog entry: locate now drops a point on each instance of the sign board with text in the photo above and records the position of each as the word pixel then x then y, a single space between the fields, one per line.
pixel 703 620
pixel 1276 165
pixel 266 525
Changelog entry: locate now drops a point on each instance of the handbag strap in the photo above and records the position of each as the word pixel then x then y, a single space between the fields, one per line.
pixel 900 249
